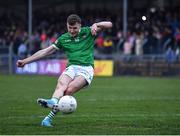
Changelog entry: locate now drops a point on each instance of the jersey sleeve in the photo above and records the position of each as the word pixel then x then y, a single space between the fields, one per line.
pixel 57 44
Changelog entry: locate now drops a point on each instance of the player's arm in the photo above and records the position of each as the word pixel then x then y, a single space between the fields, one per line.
pixel 38 55
pixel 96 27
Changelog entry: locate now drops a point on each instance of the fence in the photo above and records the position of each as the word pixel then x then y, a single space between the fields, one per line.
pixel 6 59
pixel 145 65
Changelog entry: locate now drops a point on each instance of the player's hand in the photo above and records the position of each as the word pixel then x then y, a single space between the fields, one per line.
pixel 20 63
pixel 94 29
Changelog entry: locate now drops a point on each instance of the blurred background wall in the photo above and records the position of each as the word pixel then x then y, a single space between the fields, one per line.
pixel 145 38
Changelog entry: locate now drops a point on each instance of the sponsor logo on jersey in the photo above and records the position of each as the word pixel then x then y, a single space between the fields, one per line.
pixel 84 36
pixel 76 39
pixel 67 40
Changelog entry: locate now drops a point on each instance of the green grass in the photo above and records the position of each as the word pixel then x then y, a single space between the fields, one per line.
pixel 111 105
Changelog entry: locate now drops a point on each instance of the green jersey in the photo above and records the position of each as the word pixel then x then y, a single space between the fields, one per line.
pixel 79 49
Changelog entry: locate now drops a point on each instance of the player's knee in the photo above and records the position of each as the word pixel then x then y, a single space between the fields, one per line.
pixel 69 91
pixel 61 84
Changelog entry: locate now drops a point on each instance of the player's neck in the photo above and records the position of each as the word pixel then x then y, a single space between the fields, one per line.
pixel 76 34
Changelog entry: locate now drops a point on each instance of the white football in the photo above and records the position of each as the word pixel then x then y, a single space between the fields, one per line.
pixel 67 104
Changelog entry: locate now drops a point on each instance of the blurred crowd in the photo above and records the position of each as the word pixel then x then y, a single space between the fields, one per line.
pixel 149 31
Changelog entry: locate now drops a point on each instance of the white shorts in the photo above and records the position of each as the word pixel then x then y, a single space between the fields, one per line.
pixel 75 70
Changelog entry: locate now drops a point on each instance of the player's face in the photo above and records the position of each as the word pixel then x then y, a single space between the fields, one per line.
pixel 74 29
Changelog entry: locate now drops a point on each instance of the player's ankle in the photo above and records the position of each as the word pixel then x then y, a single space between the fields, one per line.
pixel 55 100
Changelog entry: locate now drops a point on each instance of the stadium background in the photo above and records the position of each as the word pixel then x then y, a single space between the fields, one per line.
pixel 150 47
pixel 139 59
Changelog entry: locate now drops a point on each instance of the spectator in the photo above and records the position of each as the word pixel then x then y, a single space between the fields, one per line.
pixel 127 47
pixel 108 45
pixel 22 50
pixel 99 43
pixel 139 44
pixel 157 36
pixel 170 55
pixel 177 41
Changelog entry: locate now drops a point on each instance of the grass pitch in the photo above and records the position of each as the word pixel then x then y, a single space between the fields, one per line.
pixel 111 105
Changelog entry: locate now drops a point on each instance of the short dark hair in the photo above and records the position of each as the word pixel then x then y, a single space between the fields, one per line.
pixel 73 19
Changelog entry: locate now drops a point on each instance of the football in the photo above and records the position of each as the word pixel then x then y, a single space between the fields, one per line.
pixel 67 104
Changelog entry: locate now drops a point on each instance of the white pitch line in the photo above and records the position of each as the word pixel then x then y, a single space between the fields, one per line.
pixel 136 98
pixel 98 116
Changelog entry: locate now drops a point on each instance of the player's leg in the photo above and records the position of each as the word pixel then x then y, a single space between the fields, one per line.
pixel 78 83
pixel 74 86
pixel 62 85
pixel 84 76
pixel 66 77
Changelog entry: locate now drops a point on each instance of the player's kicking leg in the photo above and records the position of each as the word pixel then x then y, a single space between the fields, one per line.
pixel 78 83
pixel 62 85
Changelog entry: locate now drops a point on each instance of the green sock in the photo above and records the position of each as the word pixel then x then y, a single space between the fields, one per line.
pixel 51 115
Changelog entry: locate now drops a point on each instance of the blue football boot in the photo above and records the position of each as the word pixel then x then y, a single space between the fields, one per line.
pixel 46 103
pixel 46 122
